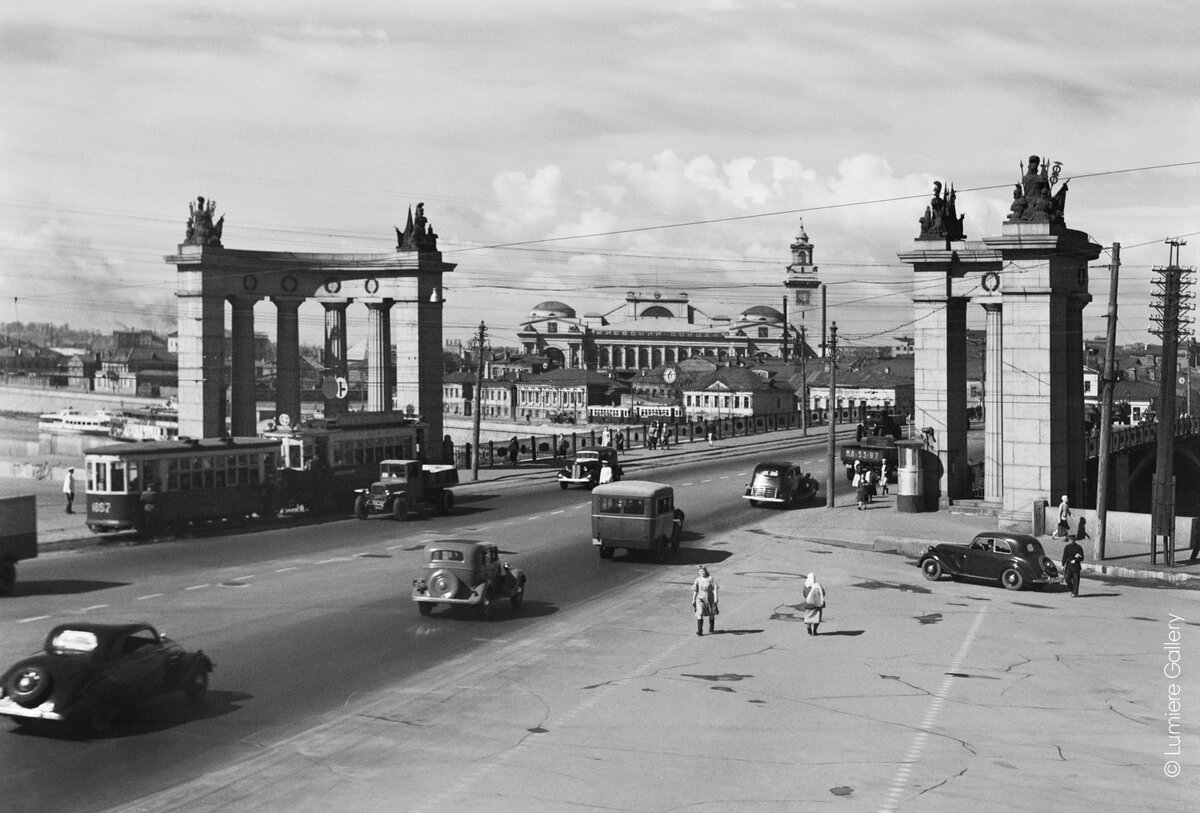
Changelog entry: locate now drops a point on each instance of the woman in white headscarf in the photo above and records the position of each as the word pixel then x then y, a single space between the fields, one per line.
pixel 814 603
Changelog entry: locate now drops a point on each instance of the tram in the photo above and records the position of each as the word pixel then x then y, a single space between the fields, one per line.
pixel 163 485
pixel 636 414
pixel 324 461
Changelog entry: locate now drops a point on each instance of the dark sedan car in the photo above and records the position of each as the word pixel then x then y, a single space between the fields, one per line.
pixel 87 673
pixel 1014 560
pixel 585 469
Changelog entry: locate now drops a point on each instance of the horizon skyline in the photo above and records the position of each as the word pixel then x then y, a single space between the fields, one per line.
pixel 575 153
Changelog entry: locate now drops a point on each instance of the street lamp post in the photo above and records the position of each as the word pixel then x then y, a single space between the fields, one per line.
pixel 831 444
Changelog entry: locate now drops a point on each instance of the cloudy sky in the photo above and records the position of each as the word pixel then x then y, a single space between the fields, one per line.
pixel 577 150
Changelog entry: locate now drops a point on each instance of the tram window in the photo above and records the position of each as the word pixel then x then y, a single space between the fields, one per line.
pixel 338 453
pixel 134 471
pixel 117 484
pixel 101 477
pixel 172 475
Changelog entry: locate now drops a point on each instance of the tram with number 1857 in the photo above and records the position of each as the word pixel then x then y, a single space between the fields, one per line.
pixel 163 486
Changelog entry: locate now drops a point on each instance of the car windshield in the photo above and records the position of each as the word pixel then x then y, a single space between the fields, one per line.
pixel 446 555
pixel 767 473
pixel 74 641
pixel 588 456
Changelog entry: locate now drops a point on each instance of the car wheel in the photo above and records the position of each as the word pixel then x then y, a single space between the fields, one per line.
pixel 443 584
pixel 446 503
pixel 1012 579
pixel 400 509
pixel 517 598
pixel 195 688
pixel 8 578
pixel 485 605
pixel 932 569
pixel 424 607
pixel 606 552
pixel 563 486
pixel 360 507
pixel 29 686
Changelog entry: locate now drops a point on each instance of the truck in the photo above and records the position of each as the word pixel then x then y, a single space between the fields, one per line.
pixel 871 451
pixel 406 485
pixel 18 537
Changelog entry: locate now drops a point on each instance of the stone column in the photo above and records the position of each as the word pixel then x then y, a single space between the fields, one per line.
pixel 993 426
pixel 287 356
pixel 334 387
pixel 243 413
pixel 940 385
pixel 201 365
pixel 379 356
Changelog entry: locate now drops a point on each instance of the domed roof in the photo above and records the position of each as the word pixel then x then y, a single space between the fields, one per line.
pixel 552 308
pixel 762 313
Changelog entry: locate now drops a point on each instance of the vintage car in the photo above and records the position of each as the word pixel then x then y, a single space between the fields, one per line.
pixel 1014 560
pixel 466 572
pixel 87 673
pixel 780 482
pixel 585 469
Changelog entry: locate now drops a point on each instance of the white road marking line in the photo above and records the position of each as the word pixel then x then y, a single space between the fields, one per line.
pixel 552 513
pixel 197 587
pixel 34 618
pixel 152 595
pixel 389 547
pixel 900 780
pixel 535 516
pixel 687 484
pixel 241 578
pixel 93 607
pixel 286 569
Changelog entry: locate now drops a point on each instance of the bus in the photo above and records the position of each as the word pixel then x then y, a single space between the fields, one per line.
pixel 164 485
pixel 324 461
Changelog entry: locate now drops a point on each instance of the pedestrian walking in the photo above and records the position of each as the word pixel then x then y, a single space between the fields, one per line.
pixel 814 603
pixel 69 490
pixel 514 449
pixel 860 485
pixel 704 600
pixel 666 439
pixel 1072 563
pixel 872 483
pixel 885 474
pixel 563 446
pixel 711 437
pixel 606 473
pixel 1064 520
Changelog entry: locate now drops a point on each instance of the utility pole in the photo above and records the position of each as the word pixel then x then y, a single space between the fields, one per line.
pixel 1172 302
pixel 784 348
pixel 1107 383
pixel 480 343
pixel 831 445
pixel 803 386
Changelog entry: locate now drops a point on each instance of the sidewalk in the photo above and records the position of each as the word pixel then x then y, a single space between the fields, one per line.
pixel 879 528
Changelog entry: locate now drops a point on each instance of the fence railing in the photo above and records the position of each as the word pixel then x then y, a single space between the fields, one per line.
pixel 543 447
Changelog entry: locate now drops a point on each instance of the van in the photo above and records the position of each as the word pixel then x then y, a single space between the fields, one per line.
pixel 635 515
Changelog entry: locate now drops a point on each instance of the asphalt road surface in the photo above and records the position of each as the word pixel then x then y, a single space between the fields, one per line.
pixel 302 619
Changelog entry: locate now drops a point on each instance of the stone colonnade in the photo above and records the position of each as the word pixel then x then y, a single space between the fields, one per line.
pixel 1032 282
pixel 402 291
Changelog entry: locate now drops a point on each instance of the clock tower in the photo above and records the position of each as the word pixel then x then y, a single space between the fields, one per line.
pixel 802 281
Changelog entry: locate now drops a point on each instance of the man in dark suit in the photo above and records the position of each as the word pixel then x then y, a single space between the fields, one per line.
pixel 1072 563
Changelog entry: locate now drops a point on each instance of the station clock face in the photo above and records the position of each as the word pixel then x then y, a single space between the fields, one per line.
pixel 803 297
pixel 669 375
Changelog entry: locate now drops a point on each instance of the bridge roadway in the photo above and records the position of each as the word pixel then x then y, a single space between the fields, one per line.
pixel 331 690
